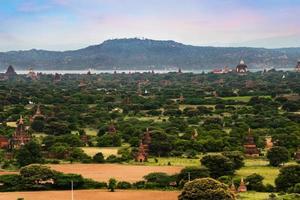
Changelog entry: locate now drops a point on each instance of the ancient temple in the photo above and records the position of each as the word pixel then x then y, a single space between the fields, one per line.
pixel 20 136
pixel 143 151
pixel 38 114
pixel 111 128
pixel 32 75
pixel 242 187
pixel 10 72
pixel 298 66
pixel 179 71
pixel 250 146
pixel 269 143
pixel 56 78
pixel 242 68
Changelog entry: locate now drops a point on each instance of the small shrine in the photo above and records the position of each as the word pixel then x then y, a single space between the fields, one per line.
pixel 84 138
pixel 242 68
pixel 232 188
pixel 181 98
pixel 269 143
pixel 242 187
pixel 32 75
pixel 20 136
pixel 112 129
pixel 250 146
pixel 56 78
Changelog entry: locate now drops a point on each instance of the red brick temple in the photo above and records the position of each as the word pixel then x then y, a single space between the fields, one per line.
pixel 20 136
pixel 38 113
pixel 242 187
pixel 143 151
pixel 250 146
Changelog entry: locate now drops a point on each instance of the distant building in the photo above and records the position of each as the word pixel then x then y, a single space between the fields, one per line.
pixel 225 70
pixel 32 75
pixel 242 68
pixel 10 72
pixel 297 155
pixel 298 66
pixel 38 114
pixel 20 136
pixel 250 146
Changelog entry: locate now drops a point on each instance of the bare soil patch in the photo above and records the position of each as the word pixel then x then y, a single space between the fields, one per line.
pixel 92 195
pixel 103 172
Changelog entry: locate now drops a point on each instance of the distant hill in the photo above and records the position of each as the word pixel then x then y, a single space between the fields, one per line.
pixel 145 54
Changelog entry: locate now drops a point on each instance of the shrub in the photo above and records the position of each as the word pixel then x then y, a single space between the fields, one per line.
pixel 288 177
pixel 205 189
pixel 161 179
pixel 124 185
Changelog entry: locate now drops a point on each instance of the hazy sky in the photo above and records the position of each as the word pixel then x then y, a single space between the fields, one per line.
pixel 71 24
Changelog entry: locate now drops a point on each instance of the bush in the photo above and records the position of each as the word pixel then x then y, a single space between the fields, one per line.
pixel 98 158
pixel 139 184
pixel 205 189
pixel 124 185
pixel 277 156
pixel 112 183
pixel 161 179
pixel 255 182
pixel 63 181
pixel 113 159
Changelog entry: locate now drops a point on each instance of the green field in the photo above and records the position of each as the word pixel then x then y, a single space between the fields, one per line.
pixel 242 98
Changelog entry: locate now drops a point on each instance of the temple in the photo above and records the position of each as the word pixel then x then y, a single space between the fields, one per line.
pixel 250 146
pixel 20 136
pixel 242 68
pixel 111 128
pixel 10 72
pixel 143 151
pixel 32 75
pixel 297 155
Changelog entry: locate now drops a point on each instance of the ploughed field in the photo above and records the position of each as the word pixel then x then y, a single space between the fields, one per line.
pixel 103 172
pixel 92 195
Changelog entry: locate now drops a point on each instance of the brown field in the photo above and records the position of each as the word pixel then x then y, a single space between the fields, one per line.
pixel 103 172
pixel 91 195
pixel 106 151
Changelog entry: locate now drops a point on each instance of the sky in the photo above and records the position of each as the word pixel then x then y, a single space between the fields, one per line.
pixel 73 24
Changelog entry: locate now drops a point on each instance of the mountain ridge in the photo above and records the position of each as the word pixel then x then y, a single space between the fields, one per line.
pixel 134 53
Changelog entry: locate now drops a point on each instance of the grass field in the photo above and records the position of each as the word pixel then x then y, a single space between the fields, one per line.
pixel 242 98
pixel 106 151
pixel 11 124
pixel 91 131
pixel 174 161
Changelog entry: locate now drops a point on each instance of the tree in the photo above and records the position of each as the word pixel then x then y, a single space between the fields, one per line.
pixel 112 183
pixel 35 174
pixel 288 177
pixel 161 179
pixel 205 189
pixel 236 157
pixel 218 165
pixel 38 125
pixel 99 158
pixel 277 156
pixel 191 173
pixel 29 153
